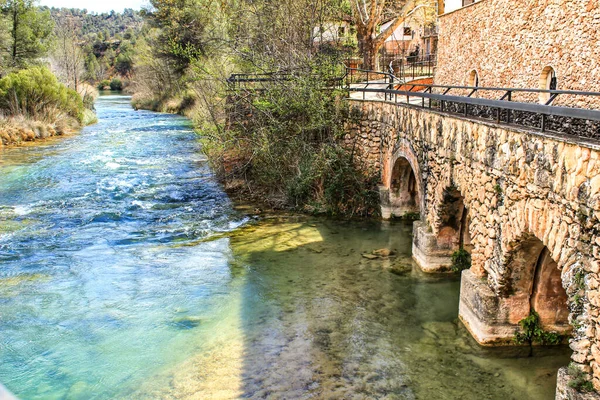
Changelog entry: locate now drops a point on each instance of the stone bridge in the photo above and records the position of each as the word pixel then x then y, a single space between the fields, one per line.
pixel 524 204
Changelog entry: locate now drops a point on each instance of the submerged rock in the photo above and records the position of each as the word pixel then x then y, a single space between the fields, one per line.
pixel 369 256
pixel 401 268
pixel 384 252
pixel 379 253
pixel 187 322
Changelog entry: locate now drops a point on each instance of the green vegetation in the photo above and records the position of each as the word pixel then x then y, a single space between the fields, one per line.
pixel 25 34
pixel 43 90
pixel 37 94
pixel 288 153
pixel 579 380
pixel 411 216
pixel 461 260
pixel 116 84
pixel 105 42
pixel 36 105
pixel 533 333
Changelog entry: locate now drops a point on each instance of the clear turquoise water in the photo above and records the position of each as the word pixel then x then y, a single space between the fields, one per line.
pixel 125 272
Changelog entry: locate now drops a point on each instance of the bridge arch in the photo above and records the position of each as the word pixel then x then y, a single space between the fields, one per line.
pixel 403 184
pixel 536 284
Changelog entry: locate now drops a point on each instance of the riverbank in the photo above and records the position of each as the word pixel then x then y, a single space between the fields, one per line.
pixel 281 149
pixel 14 131
pixel 34 105
pixel 17 130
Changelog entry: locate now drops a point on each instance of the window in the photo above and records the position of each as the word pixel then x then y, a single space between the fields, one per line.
pixel 407 31
pixel 473 80
pixel 341 31
pixel 548 81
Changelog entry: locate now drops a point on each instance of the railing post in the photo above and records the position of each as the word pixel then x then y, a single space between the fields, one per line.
pixel 543 122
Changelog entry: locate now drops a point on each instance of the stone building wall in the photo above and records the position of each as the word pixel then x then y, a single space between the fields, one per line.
pixel 509 43
pixel 516 185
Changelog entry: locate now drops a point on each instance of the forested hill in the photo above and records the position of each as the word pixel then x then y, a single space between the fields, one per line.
pixel 106 41
pixel 107 24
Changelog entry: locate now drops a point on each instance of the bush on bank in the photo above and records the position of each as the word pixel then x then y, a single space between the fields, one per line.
pixel 36 94
pixel 282 145
pixel 34 105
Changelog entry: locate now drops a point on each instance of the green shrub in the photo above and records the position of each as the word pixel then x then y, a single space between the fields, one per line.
pixel 579 380
pixel 461 260
pixel 284 142
pixel 116 84
pixel 104 84
pixel 37 94
pixel 533 333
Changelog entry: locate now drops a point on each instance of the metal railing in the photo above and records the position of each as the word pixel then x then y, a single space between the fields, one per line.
pixel 367 77
pixel 413 67
pixel 501 109
pixel 260 81
pixel 493 104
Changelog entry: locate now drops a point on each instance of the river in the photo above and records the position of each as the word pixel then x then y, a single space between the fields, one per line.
pixel 125 272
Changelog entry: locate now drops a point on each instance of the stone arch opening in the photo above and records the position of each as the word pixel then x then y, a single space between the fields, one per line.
pixel 473 79
pixel 548 81
pixel 454 220
pixel 537 285
pixel 404 189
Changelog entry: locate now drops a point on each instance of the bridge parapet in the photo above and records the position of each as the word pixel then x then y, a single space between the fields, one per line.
pixel 526 205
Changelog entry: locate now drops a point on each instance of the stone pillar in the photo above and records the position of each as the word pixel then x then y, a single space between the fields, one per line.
pixel 491 319
pixel 427 252
pixel 565 392
pixel 384 201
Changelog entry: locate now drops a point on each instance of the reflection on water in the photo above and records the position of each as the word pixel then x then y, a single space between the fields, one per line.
pixel 125 273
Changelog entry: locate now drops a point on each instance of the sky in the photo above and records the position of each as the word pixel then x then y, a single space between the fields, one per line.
pixel 96 5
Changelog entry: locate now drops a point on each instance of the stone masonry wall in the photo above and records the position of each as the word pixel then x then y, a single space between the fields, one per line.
pixel 510 42
pixel 515 185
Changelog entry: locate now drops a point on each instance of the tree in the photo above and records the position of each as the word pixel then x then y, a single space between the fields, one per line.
pixel 4 43
pixel 183 34
pixel 30 31
pixel 370 14
pixel 68 58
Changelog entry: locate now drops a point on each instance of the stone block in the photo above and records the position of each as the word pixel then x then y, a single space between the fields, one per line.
pixel 492 320
pixel 426 251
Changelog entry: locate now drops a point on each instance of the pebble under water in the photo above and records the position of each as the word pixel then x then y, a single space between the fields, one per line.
pixel 125 272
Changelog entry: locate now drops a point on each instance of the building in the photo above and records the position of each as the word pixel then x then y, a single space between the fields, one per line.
pixel 451 5
pixel 534 44
pixel 416 39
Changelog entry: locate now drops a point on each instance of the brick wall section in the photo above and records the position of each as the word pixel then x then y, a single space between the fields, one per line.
pixel 515 184
pixel 510 42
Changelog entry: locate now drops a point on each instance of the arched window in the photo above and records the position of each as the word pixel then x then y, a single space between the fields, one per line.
pixel 473 80
pixel 547 82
